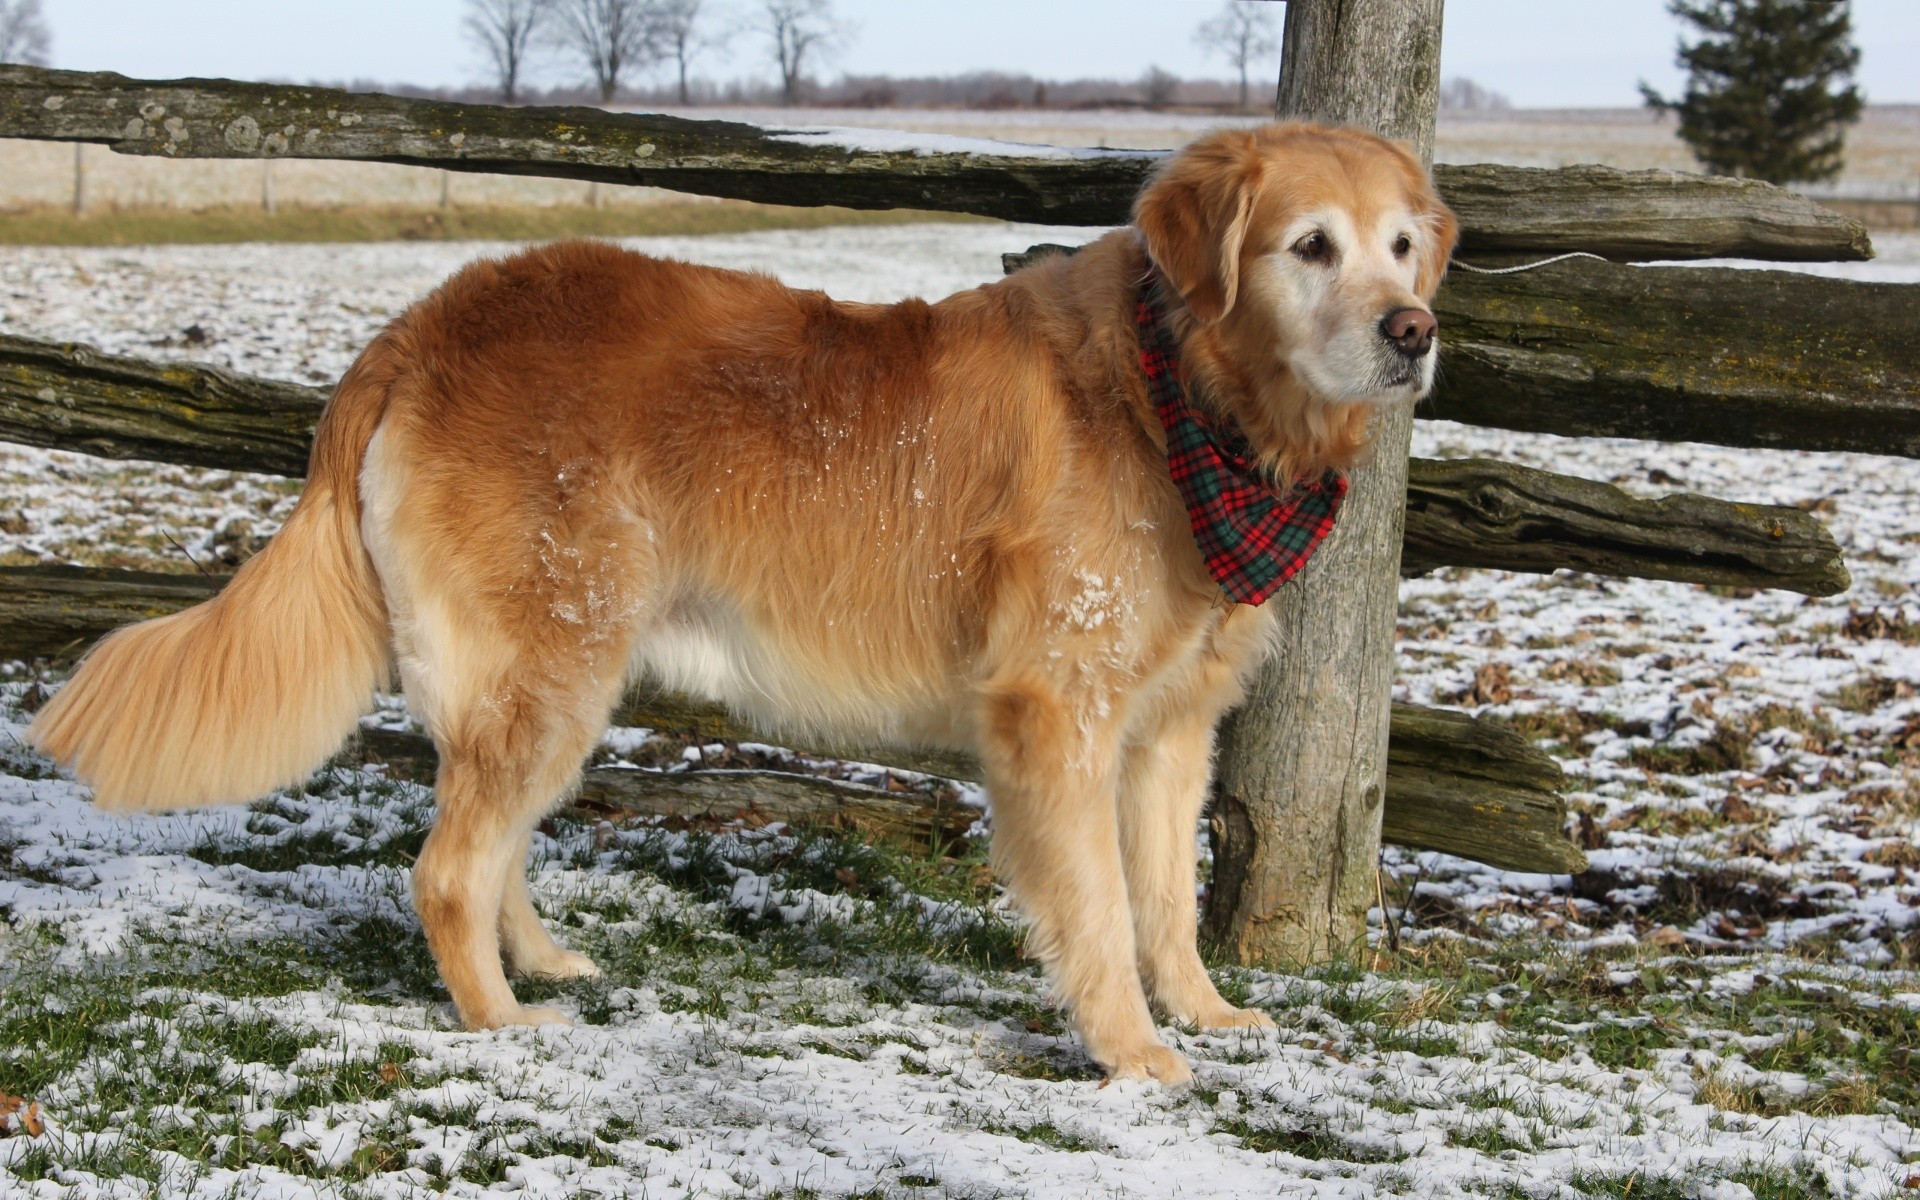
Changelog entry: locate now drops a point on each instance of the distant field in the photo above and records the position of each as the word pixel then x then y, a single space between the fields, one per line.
pixel 676 216
pixel 133 200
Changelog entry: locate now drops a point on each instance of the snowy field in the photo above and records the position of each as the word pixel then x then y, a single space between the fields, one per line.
pixel 238 1002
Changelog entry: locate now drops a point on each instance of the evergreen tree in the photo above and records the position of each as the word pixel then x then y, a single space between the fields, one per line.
pixel 1761 97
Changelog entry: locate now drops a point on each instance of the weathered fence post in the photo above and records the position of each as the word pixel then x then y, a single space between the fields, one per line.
pixel 1301 781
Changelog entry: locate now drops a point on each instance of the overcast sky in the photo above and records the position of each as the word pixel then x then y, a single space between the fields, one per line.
pixel 1546 53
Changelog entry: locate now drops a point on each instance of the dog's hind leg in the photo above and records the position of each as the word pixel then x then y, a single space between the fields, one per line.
pixel 1051 762
pixel 525 943
pixel 1163 786
pixel 506 756
pixel 512 642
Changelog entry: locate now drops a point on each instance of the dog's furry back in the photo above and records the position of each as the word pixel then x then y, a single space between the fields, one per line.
pixel 254 688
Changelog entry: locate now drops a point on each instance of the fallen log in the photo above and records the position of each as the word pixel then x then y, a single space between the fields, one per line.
pixel 1620 214
pixel 1476 512
pixel 1453 783
pixel 1486 515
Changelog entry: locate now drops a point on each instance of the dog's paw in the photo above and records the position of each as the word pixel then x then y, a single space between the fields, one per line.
pixel 521 1015
pixel 1226 1016
pixel 560 964
pixel 1155 1062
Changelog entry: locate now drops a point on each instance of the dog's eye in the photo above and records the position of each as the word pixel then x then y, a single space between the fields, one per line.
pixel 1313 248
pixel 1402 246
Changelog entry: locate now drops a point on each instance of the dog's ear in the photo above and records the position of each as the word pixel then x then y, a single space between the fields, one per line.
pixel 1194 217
pixel 1443 233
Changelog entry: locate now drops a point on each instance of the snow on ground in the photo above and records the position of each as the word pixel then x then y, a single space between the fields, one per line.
pixel 238 1002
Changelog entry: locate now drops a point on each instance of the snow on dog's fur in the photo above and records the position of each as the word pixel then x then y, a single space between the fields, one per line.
pixel 947 523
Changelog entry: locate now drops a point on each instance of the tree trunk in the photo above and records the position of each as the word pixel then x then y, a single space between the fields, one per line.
pixel 1302 770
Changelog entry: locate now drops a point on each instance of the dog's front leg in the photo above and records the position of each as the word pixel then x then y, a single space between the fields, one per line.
pixel 1052 763
pixel 1163 786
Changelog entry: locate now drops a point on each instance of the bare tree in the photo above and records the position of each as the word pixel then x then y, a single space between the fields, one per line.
pixel 1158 87
pixel 1243 34
pixel 1461 94
pixel 23 33
pixel 611 37
pixel 505 30
pixel 677 24
pixel 799 29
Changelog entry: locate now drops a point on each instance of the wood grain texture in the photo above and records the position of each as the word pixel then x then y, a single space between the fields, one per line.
pixel 1477 512
pixel 68 396
pixel 1620 214
pixel 1477 790
pixel 57 612
pixel 1301 782
pixel 1641 216
pixel 1771 359
pixel 1457 769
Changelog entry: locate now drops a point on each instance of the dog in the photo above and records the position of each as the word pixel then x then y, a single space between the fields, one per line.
pixel 953 524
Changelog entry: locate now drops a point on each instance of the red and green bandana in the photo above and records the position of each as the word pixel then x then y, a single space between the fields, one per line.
pixel 1254 535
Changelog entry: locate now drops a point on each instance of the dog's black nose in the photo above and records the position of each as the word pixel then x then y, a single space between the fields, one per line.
pixel 1410 330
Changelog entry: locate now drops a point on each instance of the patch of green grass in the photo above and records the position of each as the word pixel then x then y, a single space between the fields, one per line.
pixel 1725 749
pixel 500 1147
pixel 1489 1137
pixel 1636 1185
pixel 1043 1133
pixel 280 842
pixel 1310 1139
pixel 137 227
pixel 355 1079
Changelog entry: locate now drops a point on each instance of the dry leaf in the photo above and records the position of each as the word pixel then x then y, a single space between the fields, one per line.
pixel 1492 684
pixel 25 1112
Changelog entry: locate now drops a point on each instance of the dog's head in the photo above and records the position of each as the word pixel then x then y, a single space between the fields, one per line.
pixel 1317 250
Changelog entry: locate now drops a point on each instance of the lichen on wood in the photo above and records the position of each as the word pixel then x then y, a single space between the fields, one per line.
pixel 1733 357
pixel 68 396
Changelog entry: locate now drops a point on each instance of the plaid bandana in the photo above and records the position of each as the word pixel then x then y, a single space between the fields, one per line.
pixel 1254 535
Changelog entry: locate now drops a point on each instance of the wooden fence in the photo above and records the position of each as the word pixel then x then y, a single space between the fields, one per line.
pixel 1582 348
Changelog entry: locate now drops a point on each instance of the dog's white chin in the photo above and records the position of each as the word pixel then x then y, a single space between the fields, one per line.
pixel 1372 388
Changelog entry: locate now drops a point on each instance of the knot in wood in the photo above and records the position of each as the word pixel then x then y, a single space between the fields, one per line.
pixel 1491 501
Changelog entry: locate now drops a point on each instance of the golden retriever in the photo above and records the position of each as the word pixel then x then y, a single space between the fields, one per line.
pixel 942 523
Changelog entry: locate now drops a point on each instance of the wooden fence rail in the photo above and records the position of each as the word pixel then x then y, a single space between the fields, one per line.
pixel 1454 784
pixel 1471 514
pixel 1620 214
pixel 1774 359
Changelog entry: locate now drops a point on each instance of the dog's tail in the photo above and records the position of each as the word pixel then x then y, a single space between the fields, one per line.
pixel 256 687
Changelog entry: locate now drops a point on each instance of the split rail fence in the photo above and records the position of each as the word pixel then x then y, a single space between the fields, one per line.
pixel 1585 348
